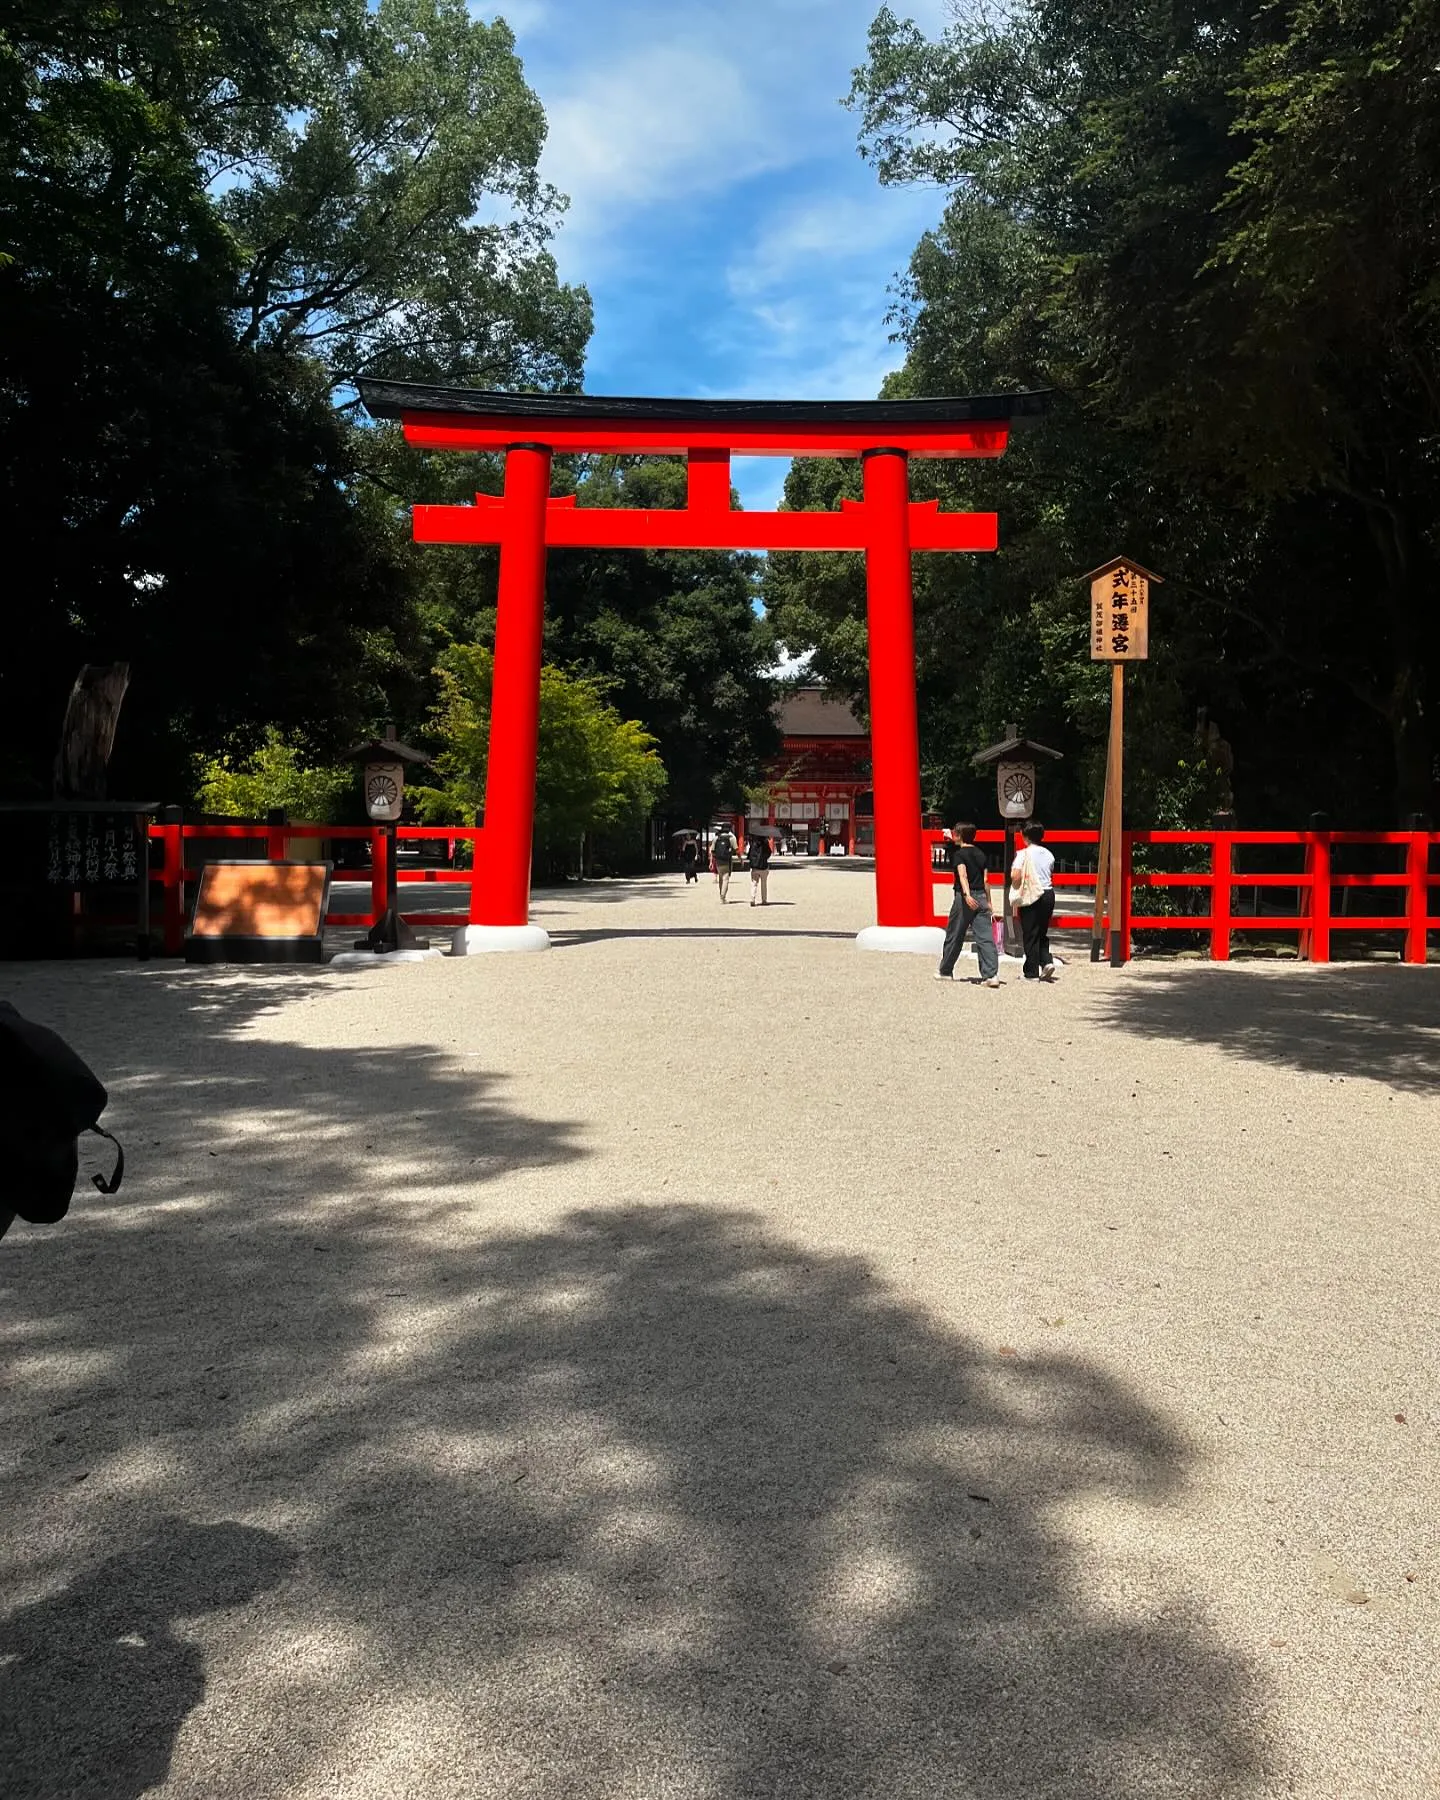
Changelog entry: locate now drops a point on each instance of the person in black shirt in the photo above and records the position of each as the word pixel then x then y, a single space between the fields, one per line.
pixel 757 857
pixel 969 911
pixel 722 861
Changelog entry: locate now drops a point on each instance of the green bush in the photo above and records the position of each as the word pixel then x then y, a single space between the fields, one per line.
pixel 274 776
pixel 598 774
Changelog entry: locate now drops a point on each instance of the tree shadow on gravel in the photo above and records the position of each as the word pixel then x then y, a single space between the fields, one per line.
pixel 1380 1024
pixel 562 939
pixel 609 891
pixel 649 1502
pixel 96 1681
pixel 212 1104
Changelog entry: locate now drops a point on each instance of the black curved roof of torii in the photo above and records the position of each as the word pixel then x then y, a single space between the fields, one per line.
pixel 391 399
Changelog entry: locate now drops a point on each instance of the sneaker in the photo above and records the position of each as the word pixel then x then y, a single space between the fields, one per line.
pixel 994 981
pixel 940 975
pixel 1048 972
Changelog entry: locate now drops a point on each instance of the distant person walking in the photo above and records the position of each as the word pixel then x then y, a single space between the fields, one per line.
pixel 690 860
pixel 757 855
pixel 722 861
pixel 969 910
pixel 1031 878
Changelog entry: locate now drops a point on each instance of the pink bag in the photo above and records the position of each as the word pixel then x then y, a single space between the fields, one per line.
pixel 999 925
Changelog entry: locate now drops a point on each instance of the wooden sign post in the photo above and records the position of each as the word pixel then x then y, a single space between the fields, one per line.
pixel 1119 633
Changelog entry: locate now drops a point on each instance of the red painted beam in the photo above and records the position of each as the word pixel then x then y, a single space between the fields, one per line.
pixel 674 437
pixel 705 527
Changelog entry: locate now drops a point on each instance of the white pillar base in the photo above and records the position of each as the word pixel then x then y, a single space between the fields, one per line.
pixel 483 940
pixel 914 940
pixel 377 959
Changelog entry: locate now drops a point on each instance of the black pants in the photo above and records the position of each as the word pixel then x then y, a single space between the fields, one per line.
pixel 1035 932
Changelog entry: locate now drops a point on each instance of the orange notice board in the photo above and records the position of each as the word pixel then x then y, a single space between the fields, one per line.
pixel 259 912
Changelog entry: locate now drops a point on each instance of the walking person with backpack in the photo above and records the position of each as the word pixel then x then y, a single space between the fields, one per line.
pixel 757 857
pixel 970 910
pixel 722 861
pixel 1031 877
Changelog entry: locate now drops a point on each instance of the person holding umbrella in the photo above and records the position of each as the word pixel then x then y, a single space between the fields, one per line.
pixel 690 860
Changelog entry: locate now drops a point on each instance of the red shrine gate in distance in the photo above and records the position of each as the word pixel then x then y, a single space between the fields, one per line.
pixel 527 520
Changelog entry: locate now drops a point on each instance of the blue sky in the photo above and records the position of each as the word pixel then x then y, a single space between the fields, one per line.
pixel 733 240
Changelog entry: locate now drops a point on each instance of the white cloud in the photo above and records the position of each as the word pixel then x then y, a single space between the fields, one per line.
pixel 521 16
pixel 790 666
pixel 732 239
pixel 829 229
pixel 654 101
pixel 659 124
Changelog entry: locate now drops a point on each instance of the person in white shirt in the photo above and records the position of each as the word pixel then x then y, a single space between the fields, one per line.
pixel 1031 877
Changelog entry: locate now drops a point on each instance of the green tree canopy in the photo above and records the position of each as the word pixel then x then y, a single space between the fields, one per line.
pixel 598 774
pixel 277 775
pixel 395 224
pixel 677 636
pixel 212 215
pixel 1207 228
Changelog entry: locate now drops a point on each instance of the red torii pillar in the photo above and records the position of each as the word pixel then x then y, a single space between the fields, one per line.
pixel 902 899
pixel 503 898
pixel 887 526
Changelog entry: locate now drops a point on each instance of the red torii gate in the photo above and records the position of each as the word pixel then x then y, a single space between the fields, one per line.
pixel 887 525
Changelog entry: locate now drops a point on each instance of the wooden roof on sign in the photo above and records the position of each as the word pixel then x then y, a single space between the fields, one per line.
pixel 1017 746
pixel 1123 562
pixel 384 750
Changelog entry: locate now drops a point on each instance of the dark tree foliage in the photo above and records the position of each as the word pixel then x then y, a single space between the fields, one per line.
pixel 678 634
pixel 211 213
pixel 1210 228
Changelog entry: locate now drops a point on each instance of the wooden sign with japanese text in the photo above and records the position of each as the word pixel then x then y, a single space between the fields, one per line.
pixel 1120 612
pixel 259 912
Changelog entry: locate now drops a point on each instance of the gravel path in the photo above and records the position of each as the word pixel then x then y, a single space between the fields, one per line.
pixel 706 1361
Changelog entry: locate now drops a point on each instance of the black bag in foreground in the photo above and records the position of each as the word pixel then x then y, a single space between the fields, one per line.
pixel 48 1098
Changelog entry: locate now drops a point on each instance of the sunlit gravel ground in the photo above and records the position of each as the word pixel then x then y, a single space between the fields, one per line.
pixel 708 1361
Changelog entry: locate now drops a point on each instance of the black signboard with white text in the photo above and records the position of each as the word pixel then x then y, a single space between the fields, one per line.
pixel 74 877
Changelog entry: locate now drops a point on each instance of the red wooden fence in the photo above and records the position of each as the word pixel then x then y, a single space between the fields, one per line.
pixel 1321 891
pixel 173 873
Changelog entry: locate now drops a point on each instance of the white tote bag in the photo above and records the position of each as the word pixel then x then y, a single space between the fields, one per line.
pixel 1028 889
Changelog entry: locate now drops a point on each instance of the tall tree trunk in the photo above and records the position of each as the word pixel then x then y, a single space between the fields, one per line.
pixel 1412 747
pixel 1406 566
pixel 88 734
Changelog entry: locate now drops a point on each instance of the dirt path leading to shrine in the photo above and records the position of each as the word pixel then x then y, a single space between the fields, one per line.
pixel 709 1361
